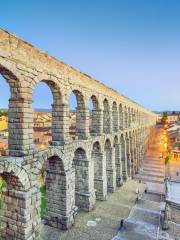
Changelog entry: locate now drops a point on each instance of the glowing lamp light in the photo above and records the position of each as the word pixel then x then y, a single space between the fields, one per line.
pixel 165 145
pixel 42 146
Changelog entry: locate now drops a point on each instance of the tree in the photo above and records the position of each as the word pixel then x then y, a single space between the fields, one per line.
pixel 167 158
pixel 178 120
pixel 2 188
pixel 164 118
pixel 166 162
pixel 3 113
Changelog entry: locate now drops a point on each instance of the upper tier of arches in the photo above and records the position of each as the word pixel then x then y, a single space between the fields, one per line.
pixel 23 66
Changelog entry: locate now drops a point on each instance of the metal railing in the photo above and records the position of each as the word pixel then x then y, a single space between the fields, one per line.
pixel 159 220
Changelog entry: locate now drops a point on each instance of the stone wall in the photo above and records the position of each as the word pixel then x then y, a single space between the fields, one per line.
pixel 175 215
pixel 105 152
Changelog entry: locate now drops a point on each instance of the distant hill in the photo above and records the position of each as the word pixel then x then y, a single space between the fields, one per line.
pixel 42 110
pixel 168 112
pixel 3 109
pixel 36 110
pixel 46 110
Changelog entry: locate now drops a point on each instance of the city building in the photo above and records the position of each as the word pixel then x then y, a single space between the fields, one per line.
pixel 172 117
pixel 174 141
pixel 42 120
pixel 172 213
pixel 3 123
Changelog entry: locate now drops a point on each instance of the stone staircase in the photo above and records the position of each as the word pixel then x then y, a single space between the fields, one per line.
pixel 144 220
pixel 152 170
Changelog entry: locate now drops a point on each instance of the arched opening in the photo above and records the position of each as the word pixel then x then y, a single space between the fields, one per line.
pixel 41 181
pixel 128 117
pixel 125 117
pixel 72 115
pixel 59 202
pixel 4 101
pixel 133 116
pixel 84 180
pixel 3 185
pixel 48 115
pixel 77 126
pixel 121 120
pixel 110 167
pixel 136 117
pixel 115 117
pixel 123 157
pixel 20 120
pixel 128 156
pixel 17 204
pixel 106 117
pixel 134 155
pixel 131 143
pixel 94 119
pixel 42 106
pixel 42 118
pixel 97 158
pixel 136 152
pixel 118 162
pixel 138 147
pixel 8 183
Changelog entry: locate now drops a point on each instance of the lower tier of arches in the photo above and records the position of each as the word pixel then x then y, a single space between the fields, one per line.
pixel 75 178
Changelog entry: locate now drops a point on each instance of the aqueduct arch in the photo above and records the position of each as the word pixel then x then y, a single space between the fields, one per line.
pixel 118 163
pixel 84 180
pixel 20 202
pixel 110 165
pixel 81 170
pixel 81 116
pixel 95 117
pixel 107 119
pixel 100 181
pixel 58 192
pixel 115 118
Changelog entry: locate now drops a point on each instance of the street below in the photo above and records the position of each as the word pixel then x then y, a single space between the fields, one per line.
pixel 144 220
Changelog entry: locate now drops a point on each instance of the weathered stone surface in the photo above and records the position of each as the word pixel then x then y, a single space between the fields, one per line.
pixel 108 148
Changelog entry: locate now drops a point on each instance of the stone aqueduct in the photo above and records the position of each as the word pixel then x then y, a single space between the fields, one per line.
pixel 105 152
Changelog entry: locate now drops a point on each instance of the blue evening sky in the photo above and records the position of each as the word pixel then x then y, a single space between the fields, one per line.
pixel 132 46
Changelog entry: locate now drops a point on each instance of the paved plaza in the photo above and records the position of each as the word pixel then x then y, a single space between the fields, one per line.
pixel 106 216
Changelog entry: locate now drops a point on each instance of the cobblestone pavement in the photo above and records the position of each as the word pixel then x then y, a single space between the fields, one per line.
pixel 106 216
